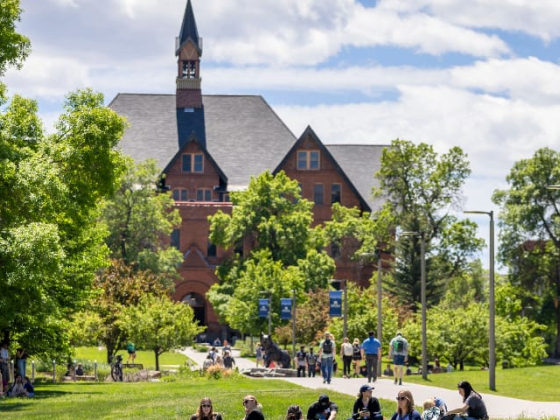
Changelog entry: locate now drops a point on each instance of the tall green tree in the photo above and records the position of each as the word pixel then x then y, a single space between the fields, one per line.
pixel 422 188
pixel 529 223
pixel 50 187
pixel 160 324
pixel 14 47
pixel 139 221
pixel 281 251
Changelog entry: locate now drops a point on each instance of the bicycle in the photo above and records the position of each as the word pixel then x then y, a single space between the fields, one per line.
pixel 116 369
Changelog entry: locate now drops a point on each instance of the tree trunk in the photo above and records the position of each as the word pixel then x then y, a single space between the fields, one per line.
pixel 156 351
pixel 110 350
pixel 557 312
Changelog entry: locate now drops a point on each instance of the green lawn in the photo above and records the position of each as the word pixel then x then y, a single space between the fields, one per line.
pixel 539 383
pixel 147 358
pixel 166 400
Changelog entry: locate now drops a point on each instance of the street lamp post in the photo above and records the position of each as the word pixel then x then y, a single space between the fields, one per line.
pixel 269 310
pixel 345 312
pixel 491 303
pixel 379 315
pixel 422 298
pixel 293 327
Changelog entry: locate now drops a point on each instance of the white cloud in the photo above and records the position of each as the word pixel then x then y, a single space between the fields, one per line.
pixel 539 18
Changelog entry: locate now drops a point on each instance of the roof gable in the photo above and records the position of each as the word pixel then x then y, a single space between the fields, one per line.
pixel 193 140
pixel 309 133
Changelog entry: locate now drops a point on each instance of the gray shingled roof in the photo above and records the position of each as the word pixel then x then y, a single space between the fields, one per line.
pixel 243 134
pixel 360 163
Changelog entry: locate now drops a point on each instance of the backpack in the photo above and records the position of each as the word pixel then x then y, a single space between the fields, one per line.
pixel 311 358
pixel 398 345
pixel 327 347
pixel 356 350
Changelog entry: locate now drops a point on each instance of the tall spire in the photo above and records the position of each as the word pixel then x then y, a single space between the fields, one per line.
pixel 189 31
pixel 190 110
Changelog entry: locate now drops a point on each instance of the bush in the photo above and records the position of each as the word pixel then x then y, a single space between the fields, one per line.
pixel 218 372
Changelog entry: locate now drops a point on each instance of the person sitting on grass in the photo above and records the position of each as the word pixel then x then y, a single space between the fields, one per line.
pixel 79 370
pixel 294 413
pixel 388 371
pixel 28 387
pixel 431 412
pixel 18 390
pixel 205 411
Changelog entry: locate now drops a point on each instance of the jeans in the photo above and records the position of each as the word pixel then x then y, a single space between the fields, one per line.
pixel 301 371
pixel 347 361
pixel 326 368
pixel 311 370
pixel 371 366
pixel 21 367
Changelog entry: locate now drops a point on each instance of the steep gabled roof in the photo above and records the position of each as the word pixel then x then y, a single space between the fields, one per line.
pixel 360 162
pixel 208 157
pixel 189 30
pixel 308 132
pixel 244 135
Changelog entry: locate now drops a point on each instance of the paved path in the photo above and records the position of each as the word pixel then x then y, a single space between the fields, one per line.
pixel 498 407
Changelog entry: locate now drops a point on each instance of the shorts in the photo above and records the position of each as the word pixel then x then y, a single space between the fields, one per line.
pixel 398 359
pixel 131 351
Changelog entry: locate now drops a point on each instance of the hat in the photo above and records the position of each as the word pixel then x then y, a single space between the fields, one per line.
pixel 324 399
pixel 365 388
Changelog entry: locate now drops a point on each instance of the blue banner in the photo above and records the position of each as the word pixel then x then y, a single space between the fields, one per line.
pixel 335 298
pixel 263 308
pixel 286 311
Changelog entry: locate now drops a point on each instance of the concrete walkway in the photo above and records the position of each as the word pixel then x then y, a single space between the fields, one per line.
pixel 498 407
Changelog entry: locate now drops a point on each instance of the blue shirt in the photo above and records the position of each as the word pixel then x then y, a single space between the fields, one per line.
pixel 371 345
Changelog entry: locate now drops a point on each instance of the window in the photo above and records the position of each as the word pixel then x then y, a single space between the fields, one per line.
pixel 335 250
pixel 180 194
pixel 335 193
pixel 176 238
pixel 318 193
pixel 211 249
pixel 308 159
pixel 193 163
pixel 204 194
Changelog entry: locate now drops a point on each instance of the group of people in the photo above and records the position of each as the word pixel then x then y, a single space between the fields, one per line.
pixel 473 407
pixel 352 354
pixel 20 367
pixel 366 407
pixel 21 387
pixel 225 359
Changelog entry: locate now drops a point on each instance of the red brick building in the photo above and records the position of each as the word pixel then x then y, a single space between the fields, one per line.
pixel 210 145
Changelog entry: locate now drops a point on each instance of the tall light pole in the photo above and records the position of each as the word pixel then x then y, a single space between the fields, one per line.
pixel 420 235
pixel 491 304
pixel 379 289
pixel 293 327
pixel 379 315
pixel 262 292
pixel 345 312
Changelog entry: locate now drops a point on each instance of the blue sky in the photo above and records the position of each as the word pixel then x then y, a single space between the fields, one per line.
pixel 480 75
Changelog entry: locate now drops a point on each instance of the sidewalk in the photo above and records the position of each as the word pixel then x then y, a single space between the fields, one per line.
pixel 498 407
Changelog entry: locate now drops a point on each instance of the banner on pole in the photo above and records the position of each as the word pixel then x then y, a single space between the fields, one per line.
pixel 263 308
pixel 335 298
pixel 286 308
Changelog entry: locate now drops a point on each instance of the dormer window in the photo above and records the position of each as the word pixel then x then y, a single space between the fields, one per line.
pixel 308 159
pixel 193 163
